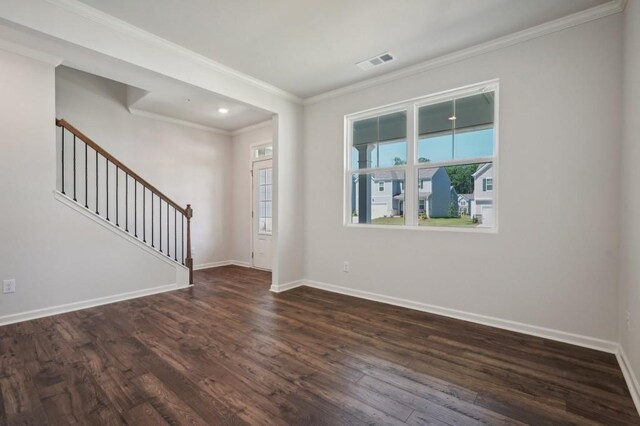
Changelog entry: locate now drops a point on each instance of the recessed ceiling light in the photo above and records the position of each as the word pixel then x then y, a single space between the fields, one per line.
pixel 223 110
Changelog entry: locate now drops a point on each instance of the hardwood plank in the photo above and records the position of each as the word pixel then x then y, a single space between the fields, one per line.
pixel 228 351
pixel 144 414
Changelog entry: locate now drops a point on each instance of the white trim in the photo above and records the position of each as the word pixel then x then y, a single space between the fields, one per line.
pixel 129 30
pixel 116 230
pixel 76 306
pixel 252 127
pixel 240 263
pixel 279 288
pixel 597 12
pixel 547 333
pixel 629 376
pixel 420 228
pixel 211 265
pixel 30 53
pixel 221 263
pixel 178 121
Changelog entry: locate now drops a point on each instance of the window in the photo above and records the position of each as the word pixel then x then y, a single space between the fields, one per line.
pixel 434 157
pixel 263 151
pixel 265 221
pixel 487 184
pixel 379 155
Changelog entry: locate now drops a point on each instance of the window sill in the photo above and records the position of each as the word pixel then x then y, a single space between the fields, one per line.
pixel 424 228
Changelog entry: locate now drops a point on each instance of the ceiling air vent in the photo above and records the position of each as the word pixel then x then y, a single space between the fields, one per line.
pixel 378 60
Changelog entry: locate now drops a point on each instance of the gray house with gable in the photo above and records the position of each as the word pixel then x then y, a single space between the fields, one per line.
pixel 435 193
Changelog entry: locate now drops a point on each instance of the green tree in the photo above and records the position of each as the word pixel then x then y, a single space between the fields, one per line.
pixel 453 209
pixel 461 177
pixel 399 161
pixel 423 160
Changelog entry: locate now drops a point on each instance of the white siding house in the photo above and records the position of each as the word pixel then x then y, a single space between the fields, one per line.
pixel 483 194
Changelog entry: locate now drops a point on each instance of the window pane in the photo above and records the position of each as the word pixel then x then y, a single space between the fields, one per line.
pixel 456 130
pixel 474 144
pixel 435 148
pixel 386 127
pixel 474 111
pixel 387 154
pixel 264 151
pixel 456 196
pixel 375 207
pixel 379 141
pixel 265 193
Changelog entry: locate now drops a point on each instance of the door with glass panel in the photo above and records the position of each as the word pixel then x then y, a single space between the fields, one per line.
pixel 262 213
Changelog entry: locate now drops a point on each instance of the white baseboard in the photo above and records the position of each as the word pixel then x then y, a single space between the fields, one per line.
pixel 76 306
pixel 279 288
pixel 547 333
pixel 629 376
pixel 221 263
pixel 211 265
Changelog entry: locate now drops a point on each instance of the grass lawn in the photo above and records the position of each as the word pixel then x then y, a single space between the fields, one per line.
pixel 463 221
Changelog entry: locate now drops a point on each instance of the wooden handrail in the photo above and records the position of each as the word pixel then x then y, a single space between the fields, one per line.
pixel 65 124
pixel 186 212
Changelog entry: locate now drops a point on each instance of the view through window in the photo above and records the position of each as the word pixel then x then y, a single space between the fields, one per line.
pixel 428 162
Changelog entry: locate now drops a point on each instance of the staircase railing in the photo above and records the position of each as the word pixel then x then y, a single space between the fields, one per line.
pixel 139 208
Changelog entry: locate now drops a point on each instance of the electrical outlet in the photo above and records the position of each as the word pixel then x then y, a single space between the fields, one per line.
pixel 346 267
pixel 9 286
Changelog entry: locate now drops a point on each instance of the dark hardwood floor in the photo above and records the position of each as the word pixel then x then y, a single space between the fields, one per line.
pixel 230 352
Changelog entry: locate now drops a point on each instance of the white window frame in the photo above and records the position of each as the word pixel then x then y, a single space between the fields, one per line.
pixel 254 151
pixel 486 184
pixel 411 168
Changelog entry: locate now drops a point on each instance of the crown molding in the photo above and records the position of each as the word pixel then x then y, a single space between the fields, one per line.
pixel 178 121
pixel 30 53
pixel 252 127
pixel 129 30
pixel 588 15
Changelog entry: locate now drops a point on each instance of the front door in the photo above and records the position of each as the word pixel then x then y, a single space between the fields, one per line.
pixel 262 216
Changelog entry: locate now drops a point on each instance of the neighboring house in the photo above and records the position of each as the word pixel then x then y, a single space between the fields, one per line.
pixel 483 194
pixel 435 194
pixel 464 204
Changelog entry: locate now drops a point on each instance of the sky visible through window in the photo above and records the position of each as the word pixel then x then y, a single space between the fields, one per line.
pixel 436 149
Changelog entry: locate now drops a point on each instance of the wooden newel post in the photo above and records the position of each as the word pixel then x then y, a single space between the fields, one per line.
pixel 189 260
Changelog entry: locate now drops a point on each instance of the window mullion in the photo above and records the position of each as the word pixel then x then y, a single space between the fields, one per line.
pixel 410 189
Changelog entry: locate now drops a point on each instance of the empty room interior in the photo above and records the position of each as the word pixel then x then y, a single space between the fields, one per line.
pixel 320 212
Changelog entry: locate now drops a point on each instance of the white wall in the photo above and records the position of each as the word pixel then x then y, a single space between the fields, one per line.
pixel 56 255
pixel 188 165
pixel 94 43
pixel 554 261
pixel 241 190
pixel 630 211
